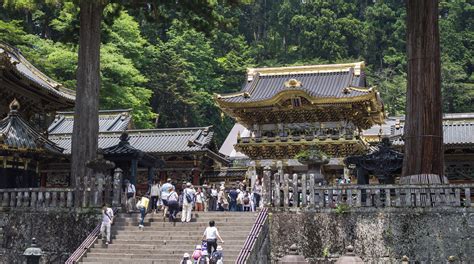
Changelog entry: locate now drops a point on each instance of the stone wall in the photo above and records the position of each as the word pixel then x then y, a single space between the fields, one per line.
pixel 58 232
pixel 378 235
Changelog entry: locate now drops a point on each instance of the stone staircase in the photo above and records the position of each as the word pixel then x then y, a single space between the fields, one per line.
pixel 164 242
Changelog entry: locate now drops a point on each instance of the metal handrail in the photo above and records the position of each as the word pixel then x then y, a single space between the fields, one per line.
pixel 86 244
pixel 252 237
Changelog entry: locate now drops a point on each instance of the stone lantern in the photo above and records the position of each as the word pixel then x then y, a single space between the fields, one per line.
pixel 33 253
pixel 349 257
pixel 293 257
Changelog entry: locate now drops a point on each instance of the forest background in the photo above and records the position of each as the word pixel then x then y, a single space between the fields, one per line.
pixel 166 59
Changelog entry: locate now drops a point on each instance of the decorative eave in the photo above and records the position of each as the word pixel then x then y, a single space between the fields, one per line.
pixel 291 94
pixel 366 110
pixel 371 94
pixel 288 147
pixel 124 151
pixel 16 136
pixel 25 82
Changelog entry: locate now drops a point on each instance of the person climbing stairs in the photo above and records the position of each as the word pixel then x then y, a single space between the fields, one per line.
pixel 163 242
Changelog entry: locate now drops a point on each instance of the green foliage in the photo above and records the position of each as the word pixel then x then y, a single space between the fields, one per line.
pixel 342 208
pixel 326 252
pixel 169 58
pixel 311 155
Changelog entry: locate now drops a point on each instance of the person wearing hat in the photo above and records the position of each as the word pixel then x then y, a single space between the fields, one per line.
pixel 222 202
pixel 165 193
pixel 217 256
pixel 188 203
pixel 204 259
pixel 197 253
pixel 186 259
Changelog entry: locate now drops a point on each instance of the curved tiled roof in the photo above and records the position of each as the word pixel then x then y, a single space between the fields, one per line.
pixel 459 133
pixel 316 81
pixel 17 135
pixel 109 121
pixel 458 129
pixel 153 141
pixel 14 60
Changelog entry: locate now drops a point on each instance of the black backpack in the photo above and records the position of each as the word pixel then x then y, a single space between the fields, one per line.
pixel 215 257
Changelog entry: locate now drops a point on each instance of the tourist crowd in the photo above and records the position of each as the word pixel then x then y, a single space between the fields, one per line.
pixel 187 198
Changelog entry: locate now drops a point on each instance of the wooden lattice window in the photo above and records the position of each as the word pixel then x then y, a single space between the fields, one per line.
pixel 296 101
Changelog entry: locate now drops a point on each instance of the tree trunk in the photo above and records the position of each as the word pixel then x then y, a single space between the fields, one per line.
pixel 423 161
pixel 86 124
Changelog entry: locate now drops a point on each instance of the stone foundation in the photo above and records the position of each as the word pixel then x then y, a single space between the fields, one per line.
pixel 378 235
pixel 58 232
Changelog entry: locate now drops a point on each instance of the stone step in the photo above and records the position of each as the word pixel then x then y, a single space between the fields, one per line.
pixel 163 242
pixel 170 238
pixel 222 229
pixel 194 215
pixel 200 220
pixel 168 260
pixel 173 242
pixel 142 256
pixel 180 233
pixel 182 225
pixel 111 250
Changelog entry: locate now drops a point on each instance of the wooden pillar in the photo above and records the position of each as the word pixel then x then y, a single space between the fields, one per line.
pixel 133 172
pixel 196 173
pixel 151 173
pixel 423 160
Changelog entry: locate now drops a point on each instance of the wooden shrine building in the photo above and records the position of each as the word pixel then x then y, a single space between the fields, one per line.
pixel 289 109
pixel 183 154
pixel 39 96
pixel 22 151
pixel 29 100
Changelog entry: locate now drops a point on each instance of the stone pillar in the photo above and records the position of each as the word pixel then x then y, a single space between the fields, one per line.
pixel 253 174
pixel 280 169
pixel 117 187
pixel 267 192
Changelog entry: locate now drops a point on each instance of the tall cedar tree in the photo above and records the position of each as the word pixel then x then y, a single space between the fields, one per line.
pixel 86 111
pixel 423 160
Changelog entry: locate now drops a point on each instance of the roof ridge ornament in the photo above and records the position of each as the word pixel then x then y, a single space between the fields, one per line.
pixel 14 105
pixel 293 83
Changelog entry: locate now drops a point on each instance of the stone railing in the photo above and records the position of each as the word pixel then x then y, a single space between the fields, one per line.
pixel 37 198
pixel 282 194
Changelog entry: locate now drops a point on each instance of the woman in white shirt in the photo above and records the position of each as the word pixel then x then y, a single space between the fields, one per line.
pixel 173 204
pixel 199 200
pixel 154 195
pixel 211 235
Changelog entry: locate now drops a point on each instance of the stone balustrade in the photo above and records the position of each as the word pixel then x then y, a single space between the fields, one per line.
pixel 282 194
pixel 37 198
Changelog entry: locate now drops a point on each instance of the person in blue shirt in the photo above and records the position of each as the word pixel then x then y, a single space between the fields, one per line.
pixel 233 199
pixel 165 194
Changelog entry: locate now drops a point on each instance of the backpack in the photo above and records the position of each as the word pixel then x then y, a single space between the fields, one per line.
pixel 189 198
pixel 215 257
pixel 246 199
